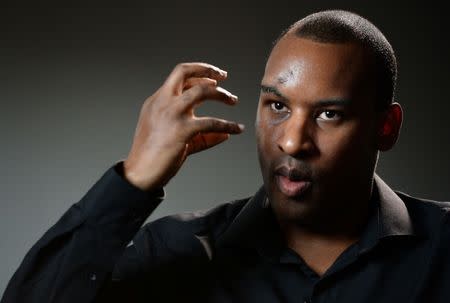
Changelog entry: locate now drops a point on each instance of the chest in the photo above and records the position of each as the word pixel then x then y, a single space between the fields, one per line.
pixel 384 277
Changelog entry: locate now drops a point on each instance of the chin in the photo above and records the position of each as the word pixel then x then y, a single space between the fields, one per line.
pixel 300 210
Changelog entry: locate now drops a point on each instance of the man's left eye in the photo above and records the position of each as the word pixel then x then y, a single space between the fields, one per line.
pixel 330 115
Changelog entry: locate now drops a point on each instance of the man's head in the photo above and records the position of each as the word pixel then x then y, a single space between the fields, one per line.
pixel 325 111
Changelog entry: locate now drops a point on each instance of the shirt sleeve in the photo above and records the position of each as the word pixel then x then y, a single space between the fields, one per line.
pixel 76 256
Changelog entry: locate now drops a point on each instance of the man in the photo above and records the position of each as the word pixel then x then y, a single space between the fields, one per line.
pixel 323 228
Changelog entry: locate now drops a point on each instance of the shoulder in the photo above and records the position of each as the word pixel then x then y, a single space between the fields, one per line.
pixel 422 204
pixel 167 239
pixel 210 221
pixel 181 234
pixel 428 215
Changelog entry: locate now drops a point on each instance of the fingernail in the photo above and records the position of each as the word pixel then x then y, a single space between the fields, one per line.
pixel 241 126
pixel 234 98
pixel 223 73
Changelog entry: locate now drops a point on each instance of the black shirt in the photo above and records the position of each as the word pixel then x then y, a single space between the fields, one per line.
pixel 231 253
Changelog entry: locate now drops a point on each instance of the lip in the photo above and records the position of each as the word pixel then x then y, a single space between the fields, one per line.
pixel 292 188
pixel 294 172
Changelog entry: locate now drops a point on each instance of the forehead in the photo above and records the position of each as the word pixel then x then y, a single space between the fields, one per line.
pixel 316 67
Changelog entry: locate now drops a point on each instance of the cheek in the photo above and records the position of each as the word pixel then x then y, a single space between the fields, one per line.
pixel 265 133
pixel 347 145
pixel 266 143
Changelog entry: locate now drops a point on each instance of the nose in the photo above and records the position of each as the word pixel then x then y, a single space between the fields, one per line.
pixel 296 137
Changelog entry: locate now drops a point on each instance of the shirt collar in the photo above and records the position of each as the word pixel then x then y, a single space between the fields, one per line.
pixel 251 222
pixel 389 218
pixel 393 214
pixel 255 225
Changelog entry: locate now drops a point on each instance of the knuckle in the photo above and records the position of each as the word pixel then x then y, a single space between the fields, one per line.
pixel 149 103
pixel 198 91
pixel 204 89
pixel 180 67
pixel 208 125
pixel 146 106
pixel 211 72
pixel 227 126
pixel 189 82
pixel 187 95
pixel 215 124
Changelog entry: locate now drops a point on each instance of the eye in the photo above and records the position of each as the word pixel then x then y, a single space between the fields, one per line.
pixel 278 107
pixel 330 115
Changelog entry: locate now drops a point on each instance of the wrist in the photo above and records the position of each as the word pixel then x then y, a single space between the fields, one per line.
pixel 136 179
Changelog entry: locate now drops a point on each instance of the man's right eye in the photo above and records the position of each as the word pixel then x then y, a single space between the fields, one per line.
pixel 278 107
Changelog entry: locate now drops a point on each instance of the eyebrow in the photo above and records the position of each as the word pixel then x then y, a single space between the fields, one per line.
pixel 327 102
pixel 272 90
pixel 334 102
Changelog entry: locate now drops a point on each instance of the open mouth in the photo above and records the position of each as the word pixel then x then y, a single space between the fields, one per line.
pixel 291 187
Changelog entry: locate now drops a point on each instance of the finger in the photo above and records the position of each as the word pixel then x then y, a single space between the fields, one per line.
pixel 204 141
pixel 198 81
pixel 215 125
pixel 201 92
pixel 184 71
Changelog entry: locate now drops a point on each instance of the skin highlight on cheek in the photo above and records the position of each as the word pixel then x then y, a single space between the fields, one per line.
pixel 289 143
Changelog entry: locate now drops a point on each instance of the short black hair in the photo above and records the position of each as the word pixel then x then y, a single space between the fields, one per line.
pixel 339 26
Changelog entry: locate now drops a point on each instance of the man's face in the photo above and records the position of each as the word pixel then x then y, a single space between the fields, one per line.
pixel 316 128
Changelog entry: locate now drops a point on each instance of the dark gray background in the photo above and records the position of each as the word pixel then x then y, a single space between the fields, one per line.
pixel 73 80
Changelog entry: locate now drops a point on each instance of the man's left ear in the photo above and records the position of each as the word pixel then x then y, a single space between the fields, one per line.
pixel 389 127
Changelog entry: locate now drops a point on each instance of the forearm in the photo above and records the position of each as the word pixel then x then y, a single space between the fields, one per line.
pixel 75 257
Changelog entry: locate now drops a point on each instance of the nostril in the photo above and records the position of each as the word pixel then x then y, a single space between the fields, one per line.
pixel 297 149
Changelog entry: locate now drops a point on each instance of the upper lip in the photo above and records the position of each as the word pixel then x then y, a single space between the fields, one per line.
pixel 293 173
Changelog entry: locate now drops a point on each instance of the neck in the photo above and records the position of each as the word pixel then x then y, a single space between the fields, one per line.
pixel 343 219
pixel 321 244
pixel 346 224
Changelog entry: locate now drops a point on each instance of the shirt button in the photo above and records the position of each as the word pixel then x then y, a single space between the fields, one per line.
pixel 93 277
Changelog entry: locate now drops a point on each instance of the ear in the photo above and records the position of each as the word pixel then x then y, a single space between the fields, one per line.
pixel 389 127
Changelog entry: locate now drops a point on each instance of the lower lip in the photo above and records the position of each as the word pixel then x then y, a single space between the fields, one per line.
pixel 292 188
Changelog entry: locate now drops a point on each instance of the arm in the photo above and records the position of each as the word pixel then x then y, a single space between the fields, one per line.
pixel 75 257
pixel 74 260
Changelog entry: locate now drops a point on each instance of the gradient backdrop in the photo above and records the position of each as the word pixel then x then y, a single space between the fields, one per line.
pixel 72 81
